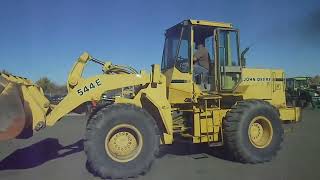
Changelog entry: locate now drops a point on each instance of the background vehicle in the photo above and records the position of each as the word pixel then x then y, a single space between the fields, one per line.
pixel 301 93
pixel 240 108
pixel 55 99
pixel 315 95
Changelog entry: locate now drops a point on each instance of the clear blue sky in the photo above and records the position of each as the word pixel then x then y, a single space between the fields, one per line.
pixel 44 37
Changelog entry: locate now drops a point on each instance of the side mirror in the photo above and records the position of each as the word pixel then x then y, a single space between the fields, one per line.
pixel 198 78
pixel 243 59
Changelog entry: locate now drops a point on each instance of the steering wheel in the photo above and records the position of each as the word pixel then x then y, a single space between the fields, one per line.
pixel 182 63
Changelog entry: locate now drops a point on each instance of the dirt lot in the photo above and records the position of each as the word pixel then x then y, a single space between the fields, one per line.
pixel 57 153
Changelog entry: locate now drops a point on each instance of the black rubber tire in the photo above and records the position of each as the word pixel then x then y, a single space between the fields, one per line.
pixel 98 162
pixel 236 136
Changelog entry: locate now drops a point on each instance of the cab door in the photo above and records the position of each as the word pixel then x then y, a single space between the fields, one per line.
pixel 228 63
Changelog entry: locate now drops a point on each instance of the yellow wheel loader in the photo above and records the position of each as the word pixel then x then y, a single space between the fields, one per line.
pixel 222 104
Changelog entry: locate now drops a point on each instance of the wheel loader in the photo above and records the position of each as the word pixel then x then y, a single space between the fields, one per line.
pixel 227 105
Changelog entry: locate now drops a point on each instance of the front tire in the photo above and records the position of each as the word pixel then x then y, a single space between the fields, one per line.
pixel 253 131
pixel 121 141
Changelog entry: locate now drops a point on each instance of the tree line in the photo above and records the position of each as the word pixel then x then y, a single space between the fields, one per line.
pixel 315 79
pixel 49 87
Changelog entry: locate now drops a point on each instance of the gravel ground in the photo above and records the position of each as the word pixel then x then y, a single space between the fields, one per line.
pixel 57 153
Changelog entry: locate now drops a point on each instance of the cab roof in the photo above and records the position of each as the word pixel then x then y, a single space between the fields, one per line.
pixel 203 23
pixel 301 78
pixel 210 23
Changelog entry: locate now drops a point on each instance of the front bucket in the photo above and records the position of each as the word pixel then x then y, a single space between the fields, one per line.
pixel 12 115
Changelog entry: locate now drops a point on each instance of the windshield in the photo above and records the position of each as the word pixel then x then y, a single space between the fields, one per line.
pixel 170 48
pixel 301 83
pixel 176 50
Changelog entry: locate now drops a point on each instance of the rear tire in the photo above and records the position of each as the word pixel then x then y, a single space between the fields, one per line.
pixel 253 131
pixel 121 141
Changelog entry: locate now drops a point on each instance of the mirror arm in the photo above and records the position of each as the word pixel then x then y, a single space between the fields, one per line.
pixel 243 59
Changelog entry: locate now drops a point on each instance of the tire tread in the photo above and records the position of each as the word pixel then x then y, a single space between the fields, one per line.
pixel 231 127
pixel 92 126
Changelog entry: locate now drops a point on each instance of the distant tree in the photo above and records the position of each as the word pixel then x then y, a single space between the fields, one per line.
pixel 59 89
pixel 51 88
pixel 316 79
pixel 46 84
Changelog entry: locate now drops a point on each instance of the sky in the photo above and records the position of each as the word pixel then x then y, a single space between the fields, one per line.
pixel 44 37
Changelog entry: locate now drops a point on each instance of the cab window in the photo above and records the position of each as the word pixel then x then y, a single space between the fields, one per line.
pixel 228 50
pixel 176 52
pixel 183 59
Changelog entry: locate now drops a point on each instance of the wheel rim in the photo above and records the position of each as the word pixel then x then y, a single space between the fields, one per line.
pixel 260 132
pixel 123 143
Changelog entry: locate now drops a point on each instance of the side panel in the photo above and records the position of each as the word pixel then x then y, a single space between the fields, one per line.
pixel 268 85
pixel 278 89
pixel 255 84
pixel 263 84
pixel 180 86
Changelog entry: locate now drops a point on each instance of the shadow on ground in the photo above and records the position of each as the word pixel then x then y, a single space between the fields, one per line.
pixel 196 151
pixel 50 148
pixel 39 153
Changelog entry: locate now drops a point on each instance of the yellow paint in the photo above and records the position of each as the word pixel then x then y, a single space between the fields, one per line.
pixel 211 23
pixel 290 114
pixel 106 82
pixel 35 103
pixel 157 96
pixel 123 143
pixel 260 132
pixel 178 92
pixel 264 84
pixel 77 70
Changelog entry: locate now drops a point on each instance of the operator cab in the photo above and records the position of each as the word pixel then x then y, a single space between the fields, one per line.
pixel 203 53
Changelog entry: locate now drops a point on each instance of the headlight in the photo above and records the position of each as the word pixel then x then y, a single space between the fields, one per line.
pixel 316 94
